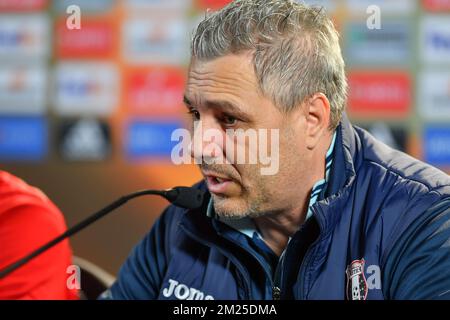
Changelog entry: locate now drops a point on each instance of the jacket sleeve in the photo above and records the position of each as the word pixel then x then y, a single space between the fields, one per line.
pixel 419 265
pixel 141 276
pixel 23 229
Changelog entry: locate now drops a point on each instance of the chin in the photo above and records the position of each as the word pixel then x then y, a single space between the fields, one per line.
pixel 232 208
pixel 237 208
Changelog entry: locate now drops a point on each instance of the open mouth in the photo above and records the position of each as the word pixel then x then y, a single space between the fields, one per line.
pixel 217 184
pixel 218 180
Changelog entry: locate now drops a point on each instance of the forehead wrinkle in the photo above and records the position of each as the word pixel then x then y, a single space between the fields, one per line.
pixel 204 89
pixel 224 76
pixel 226 96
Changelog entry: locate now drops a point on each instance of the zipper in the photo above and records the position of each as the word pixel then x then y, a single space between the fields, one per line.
pixel 238 265
pixel 276 281
pixel 276 284
pixel 276 293
pixel 308 255
pixel 267 272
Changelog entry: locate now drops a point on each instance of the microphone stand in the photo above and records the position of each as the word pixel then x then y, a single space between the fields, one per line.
pixel 186 197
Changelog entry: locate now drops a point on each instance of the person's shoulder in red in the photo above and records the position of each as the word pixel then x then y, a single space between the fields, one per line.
pixel 28 219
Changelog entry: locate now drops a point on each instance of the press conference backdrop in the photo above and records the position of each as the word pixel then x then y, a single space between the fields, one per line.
pixel 87 114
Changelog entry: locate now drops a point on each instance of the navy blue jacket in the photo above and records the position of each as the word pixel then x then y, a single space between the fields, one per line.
pixel 380 231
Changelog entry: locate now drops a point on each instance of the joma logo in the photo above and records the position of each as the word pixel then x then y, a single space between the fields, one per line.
pixel 183 292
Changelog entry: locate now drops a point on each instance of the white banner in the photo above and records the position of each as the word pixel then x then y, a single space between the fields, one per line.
pixel 24 37
pixel 434 94
pixel 23 89
pixel 435 39
pixel 86 88
pixel 156 41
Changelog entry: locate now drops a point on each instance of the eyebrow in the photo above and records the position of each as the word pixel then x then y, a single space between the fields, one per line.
pixel 223 105
pixel 187 102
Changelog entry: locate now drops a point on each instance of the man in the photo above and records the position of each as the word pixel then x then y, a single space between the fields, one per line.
pixel 28 219
pixel 345 216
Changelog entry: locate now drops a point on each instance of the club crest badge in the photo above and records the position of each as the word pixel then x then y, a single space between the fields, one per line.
pixel 356 281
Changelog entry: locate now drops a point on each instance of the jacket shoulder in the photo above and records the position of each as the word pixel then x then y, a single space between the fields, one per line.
pixel 410 172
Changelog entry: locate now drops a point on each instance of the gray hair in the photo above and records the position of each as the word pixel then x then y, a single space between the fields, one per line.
pixel 295 48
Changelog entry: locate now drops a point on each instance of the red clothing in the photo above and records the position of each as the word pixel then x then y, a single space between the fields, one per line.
pixel 28 219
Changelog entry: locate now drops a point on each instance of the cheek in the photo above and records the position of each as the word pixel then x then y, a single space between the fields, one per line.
pixel 292 149
pixel 250 176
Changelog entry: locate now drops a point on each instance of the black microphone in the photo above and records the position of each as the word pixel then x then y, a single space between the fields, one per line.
pixel 185 197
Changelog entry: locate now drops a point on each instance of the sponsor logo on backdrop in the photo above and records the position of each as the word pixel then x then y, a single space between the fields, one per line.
pixel 147 140
pixel 436 39
pixel 24 37
pixel 386 94
pixel 152 6
pixel 434 94
pixel 23 138
pixel 87 6
pixel 22 5
pixel 94 39
pixel 436 5
pixel 86 88
pixel 329 5
pixel 436 145
pixel 156 41
pixel 154 91
pixel 84 140
pixel 211 4
pixel 23 89
pixel 390 44
pixel 389 7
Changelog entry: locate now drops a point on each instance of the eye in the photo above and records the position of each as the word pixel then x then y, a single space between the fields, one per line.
pixel 195 114
pixel 229 120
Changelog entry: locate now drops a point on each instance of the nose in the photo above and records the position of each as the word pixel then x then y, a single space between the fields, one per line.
pixel 207 142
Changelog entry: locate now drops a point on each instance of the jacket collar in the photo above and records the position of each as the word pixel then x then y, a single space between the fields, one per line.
pixel 347 158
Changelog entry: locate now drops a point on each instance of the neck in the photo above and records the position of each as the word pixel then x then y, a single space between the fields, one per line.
pixel 276 228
